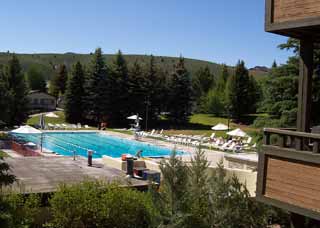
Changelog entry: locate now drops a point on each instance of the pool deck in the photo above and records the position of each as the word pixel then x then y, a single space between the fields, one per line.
pixel 45 174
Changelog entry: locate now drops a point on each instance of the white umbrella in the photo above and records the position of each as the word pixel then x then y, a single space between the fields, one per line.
pixel 134 117
pixel 52 115
pixel 26 130
pixel 220 127
pixel 30 144
pixel 237 132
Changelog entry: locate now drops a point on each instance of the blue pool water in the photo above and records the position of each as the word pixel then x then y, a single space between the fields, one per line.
pixel 65 143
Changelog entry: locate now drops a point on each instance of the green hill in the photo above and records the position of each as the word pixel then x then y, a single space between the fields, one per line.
pixel 49 62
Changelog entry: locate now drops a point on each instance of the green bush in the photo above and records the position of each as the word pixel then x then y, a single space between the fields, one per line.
pixel 94 204
pixel 18 211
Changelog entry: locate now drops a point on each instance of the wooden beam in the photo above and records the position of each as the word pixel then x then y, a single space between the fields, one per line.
pixel 305 85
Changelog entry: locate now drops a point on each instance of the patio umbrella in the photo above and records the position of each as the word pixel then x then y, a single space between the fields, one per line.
pixel 238 133
pixel 42 122
pixel 220 127
pixel 29 130
pixel 26 130
pixel 134 117
pixel 30 144
pixel 52 115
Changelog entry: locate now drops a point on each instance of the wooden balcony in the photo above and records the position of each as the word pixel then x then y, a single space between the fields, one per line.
pixel 289 171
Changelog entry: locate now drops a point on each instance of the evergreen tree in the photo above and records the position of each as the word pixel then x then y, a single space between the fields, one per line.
pixel 206 79
pixel 36 80
pixel 5 100
pixel 274 64
pixel 118 81
pixel 97 90
pixel 152 83
pixel 174 186
pixel 231 204
pixel 18 90
pixel 74 96
pixel 59 82
pixel 199 201
pixel 137 89
pixel 222 80
pixel 161 92
pixel 180 93
pixel 237 92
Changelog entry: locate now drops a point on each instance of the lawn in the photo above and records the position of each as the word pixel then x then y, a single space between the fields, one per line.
pixel 206 121
pixel 34 120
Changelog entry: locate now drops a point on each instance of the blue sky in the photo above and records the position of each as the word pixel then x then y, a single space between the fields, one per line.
pixel 218 31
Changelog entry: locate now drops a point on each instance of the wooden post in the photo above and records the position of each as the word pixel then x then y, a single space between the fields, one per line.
pixel 304 105
pixel 305 89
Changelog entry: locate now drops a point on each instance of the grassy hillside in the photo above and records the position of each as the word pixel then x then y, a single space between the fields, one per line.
pixel 49 62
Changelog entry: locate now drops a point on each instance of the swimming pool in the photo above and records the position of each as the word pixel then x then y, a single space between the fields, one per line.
pixel 65 143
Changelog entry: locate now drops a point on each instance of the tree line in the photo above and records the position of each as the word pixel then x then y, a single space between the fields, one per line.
pixel 232 93
pixel 100 92
pixel 110 93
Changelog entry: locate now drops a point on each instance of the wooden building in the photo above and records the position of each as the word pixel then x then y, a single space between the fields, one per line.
pixel 40 101
pixel 289 162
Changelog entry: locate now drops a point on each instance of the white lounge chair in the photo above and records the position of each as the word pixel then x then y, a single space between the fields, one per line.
pixel 249 140
pixel 86 126
pixel 79 125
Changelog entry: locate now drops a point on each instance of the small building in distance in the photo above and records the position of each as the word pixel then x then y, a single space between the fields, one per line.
pixel 41 101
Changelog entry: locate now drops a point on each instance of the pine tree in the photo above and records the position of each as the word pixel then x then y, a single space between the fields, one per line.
pixel 174 186
pixel 274 64
pixel 237 92
pixel 118 80
pixel 74 95
pixel 137 89
pixel 206 79
pixel 5 100
pixel 97 90
pixel 199 190
pixel 180 94
pixel 152 81
pixel 18 88
pixel 59 81
pixel 222 80
pixel 36 80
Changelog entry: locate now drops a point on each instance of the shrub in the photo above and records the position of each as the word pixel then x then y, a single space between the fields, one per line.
pixel 95 204
pixel 18 211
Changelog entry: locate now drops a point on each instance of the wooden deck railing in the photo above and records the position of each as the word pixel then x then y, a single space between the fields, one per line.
pixel 285 138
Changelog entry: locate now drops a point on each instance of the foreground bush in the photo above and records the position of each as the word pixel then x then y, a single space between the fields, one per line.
pixel 18 211
pixel 93 204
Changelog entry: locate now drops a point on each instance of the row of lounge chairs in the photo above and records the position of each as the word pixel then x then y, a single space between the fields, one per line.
pixel 212 142
pixel 51 126
pixel 153 133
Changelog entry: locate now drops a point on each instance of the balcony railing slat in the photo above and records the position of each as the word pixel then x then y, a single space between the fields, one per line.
pixel 300 141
